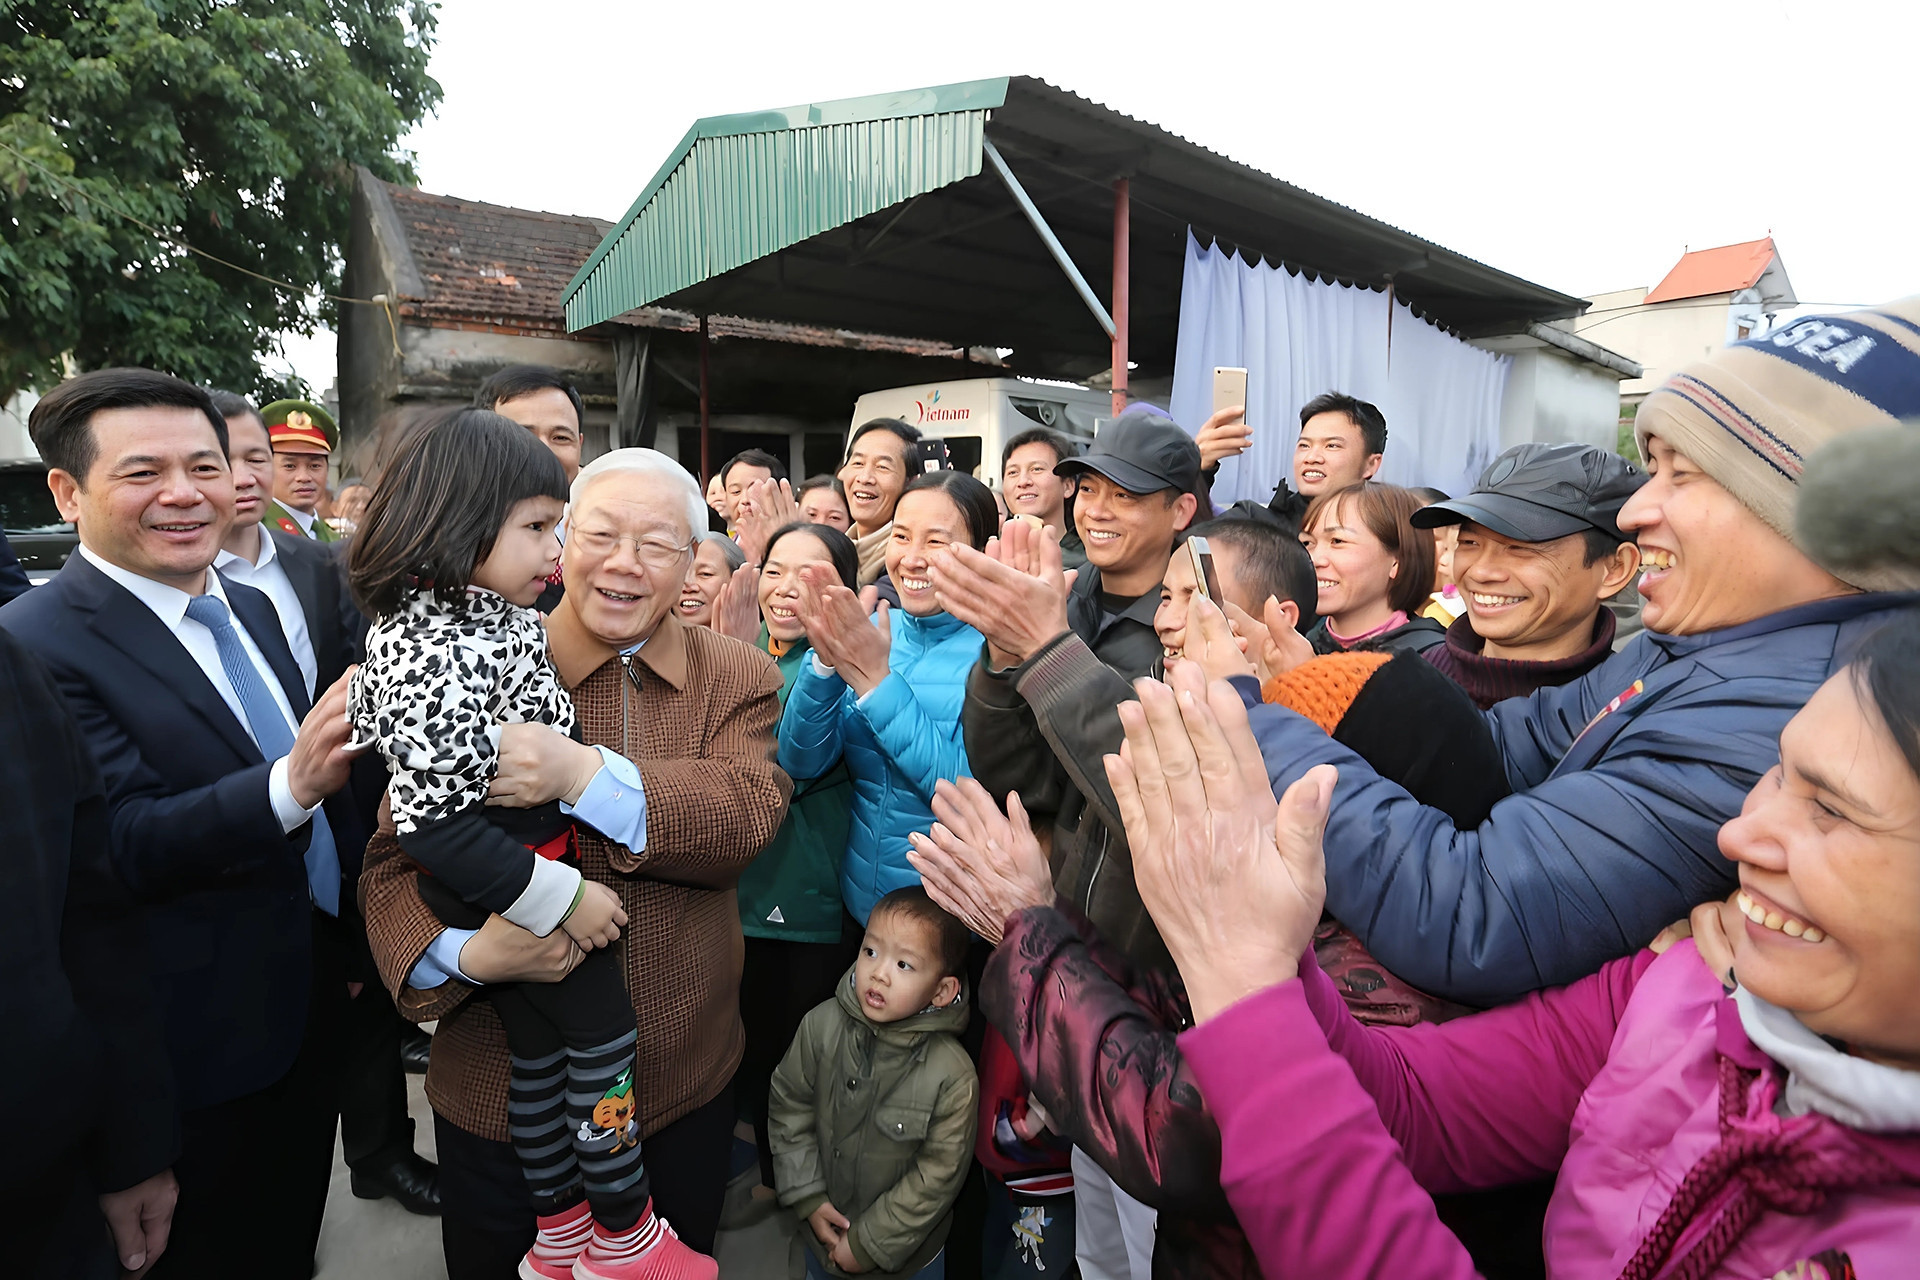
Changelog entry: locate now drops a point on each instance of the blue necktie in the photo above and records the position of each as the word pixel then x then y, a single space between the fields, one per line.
pixel 275 736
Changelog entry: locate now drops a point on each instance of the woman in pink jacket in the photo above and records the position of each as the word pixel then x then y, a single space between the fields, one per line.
pixel 1767 1130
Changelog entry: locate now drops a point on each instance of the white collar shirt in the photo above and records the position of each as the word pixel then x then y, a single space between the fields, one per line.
pixel 269 576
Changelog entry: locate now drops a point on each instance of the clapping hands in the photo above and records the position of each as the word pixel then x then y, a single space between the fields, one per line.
pixel 840 631
pixel 1234 879
pixel 1014 593
pixel 764 508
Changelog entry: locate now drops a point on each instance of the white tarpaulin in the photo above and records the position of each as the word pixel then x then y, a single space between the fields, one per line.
pixel 1297 337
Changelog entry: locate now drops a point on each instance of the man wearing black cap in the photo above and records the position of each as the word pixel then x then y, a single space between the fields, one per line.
pixel 1538 556
pixel 1031 726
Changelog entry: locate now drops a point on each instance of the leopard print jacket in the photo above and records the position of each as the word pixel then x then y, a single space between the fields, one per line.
pixel 437 683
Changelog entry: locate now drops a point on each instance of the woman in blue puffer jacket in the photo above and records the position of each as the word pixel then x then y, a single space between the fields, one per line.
pixel 884 694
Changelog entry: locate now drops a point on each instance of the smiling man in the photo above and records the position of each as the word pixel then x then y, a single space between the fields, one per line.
pixel 1342 441
pixel 1539 554
pixel 224 798
pixel 1033 486
pixel 675 791
pixel 1622 778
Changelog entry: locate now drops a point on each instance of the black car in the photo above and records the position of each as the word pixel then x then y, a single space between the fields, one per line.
pixel 34 529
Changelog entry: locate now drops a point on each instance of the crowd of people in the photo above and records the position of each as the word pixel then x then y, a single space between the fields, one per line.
pixel 1050 873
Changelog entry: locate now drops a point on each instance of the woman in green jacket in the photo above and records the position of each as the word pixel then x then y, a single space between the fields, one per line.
pixel 799 939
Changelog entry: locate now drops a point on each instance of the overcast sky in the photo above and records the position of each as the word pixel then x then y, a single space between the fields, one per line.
pixel 1583 147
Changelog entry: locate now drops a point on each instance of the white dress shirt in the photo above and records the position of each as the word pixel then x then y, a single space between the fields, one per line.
pixel 169 604
pixel 269 576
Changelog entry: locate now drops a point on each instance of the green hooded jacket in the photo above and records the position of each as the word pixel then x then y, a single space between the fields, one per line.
pixel 792 890
pixel 879 1119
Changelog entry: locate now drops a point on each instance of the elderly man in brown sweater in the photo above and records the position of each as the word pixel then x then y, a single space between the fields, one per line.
pixel 675 791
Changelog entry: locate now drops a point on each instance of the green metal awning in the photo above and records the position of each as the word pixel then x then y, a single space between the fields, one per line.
pixel 740 187
pixel 882 214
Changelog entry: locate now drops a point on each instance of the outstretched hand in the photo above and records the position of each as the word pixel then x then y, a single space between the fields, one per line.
pixel 1014 593
pixel 1234 879
pixel 979 864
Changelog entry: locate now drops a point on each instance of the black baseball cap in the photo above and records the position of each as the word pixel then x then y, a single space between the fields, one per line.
pixel 1539 492
pixel 1142 452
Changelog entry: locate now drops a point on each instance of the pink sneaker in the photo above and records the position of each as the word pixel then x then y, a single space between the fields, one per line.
pixel 563 1237
pixel 648 1252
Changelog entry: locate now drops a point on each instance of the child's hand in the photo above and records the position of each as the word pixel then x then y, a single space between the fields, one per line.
pixel 596 919
pixel 828 1224
pixel 842 1256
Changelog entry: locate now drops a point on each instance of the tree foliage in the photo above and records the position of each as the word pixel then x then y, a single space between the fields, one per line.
pixel 231 126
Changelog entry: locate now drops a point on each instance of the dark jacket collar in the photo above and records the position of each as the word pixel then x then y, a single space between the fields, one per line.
pixel 1467 648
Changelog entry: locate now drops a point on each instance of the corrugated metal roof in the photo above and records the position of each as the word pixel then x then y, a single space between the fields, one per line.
pixel 875 214
pixel 799 171
pixel 1727 269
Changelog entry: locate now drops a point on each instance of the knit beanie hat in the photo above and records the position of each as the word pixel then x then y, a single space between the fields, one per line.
pixel 1751 413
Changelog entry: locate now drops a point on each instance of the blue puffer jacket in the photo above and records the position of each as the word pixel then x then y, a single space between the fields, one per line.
pixel 1621 781
pixel 898 741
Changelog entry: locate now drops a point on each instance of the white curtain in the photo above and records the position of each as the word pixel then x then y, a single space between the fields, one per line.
pixel 1297 337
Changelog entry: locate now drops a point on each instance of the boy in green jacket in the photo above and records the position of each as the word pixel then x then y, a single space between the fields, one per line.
pixel 872 1111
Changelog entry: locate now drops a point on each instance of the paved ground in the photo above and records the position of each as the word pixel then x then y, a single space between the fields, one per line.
pixel 378 1240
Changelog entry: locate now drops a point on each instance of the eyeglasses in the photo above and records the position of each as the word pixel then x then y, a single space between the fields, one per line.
pixel 655 553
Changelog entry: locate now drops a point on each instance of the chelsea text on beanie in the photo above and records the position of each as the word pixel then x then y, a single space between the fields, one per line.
pixel 1751 413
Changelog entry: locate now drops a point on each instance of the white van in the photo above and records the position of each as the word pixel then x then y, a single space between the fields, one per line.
pixel 977 416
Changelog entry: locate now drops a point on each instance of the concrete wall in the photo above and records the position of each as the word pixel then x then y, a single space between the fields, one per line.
pixel 1662 337
pixel 1554 398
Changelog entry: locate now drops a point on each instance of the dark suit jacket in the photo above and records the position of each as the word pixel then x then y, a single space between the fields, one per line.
pixel 222 888
pixel 81 1022
pixel 333 624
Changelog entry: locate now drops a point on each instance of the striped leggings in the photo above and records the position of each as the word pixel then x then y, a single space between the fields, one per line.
pixel 571 1105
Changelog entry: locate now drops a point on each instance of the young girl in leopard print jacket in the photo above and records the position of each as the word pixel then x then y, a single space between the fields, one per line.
pixel 457 542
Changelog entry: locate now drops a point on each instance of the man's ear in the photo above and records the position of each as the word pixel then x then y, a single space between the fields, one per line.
pixel 1184 508
pixel 66 494
pixel 1371 465
pixel 1621 566
pixel 1290 610
pixel 947 992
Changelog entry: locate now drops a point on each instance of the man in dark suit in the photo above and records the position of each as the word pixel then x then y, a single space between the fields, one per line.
pixel 307 585
pixel 85 1069
pixel 222 787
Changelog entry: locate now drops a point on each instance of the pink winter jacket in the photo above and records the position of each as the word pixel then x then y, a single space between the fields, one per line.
pixel 1334 1134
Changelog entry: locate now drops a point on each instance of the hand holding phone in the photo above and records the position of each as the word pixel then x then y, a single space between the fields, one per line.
pixel 1204 579
pixel 1226 434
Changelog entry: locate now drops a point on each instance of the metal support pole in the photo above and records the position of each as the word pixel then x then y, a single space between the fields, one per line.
pixel 1047 237
pixel 1122 288
pixel 706 437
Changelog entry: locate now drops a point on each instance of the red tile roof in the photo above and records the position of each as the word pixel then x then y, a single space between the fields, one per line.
pixel 491 266
pixel 1728 269
pixel 489 263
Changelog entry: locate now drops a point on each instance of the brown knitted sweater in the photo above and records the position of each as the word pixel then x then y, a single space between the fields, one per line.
pixel 699 721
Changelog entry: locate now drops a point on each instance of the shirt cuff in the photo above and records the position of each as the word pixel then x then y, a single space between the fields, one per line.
pixel 819 667
pixel 280 792
pixel 547 899
pixel 441 960
pixel 614 802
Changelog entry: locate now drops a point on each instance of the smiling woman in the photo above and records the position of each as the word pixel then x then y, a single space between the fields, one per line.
pixel 1807 1082
pixel 885 695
